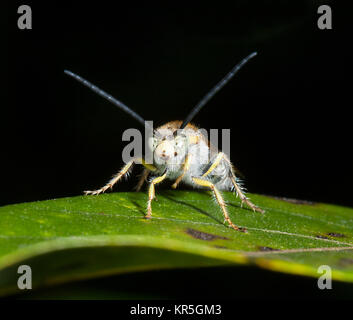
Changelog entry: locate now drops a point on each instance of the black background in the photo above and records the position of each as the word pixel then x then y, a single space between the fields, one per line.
pixel 288 109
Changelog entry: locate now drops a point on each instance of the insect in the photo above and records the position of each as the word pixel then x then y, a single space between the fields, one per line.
pixel 181 153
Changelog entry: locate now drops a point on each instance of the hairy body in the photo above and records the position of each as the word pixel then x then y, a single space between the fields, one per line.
pixel 186 156
pixel 192 150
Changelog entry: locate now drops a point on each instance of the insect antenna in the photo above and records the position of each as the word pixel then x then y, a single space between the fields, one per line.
pixel 107 96
pixel 215 89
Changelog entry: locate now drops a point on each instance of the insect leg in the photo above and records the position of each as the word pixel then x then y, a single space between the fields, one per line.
pixel 119 175
pixel 242 196
pixel 219 198
pixel 215 163
pixel 151 193
pixel 113 180
pixel 239 192
pixel 142 180
pixel 186 167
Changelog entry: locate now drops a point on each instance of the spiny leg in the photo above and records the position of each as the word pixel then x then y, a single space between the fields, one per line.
pixel 112 181
pixel 119 175
pixel 219 198
pixel 151 193
pixel 186 167
pixel 242 196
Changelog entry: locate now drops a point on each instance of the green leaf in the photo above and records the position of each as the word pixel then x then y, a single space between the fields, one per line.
pixel 91 236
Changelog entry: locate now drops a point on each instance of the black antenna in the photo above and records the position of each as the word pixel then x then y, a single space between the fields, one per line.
pixel 215 89
pixel 107 96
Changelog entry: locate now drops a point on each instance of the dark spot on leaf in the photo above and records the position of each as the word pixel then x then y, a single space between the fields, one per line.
pixel 101 213
pixel 220 247
pixel 319 236
pixel 345 262
pixel 336 234
pixel 203 235
pixel 295 201
pixel 267 248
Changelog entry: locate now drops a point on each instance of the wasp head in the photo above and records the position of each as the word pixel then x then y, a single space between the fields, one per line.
pixel 168 147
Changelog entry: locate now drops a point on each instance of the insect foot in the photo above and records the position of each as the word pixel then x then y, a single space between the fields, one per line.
pixel 251 205
pixel 241 229
pixel 259 210
pixel 233 226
